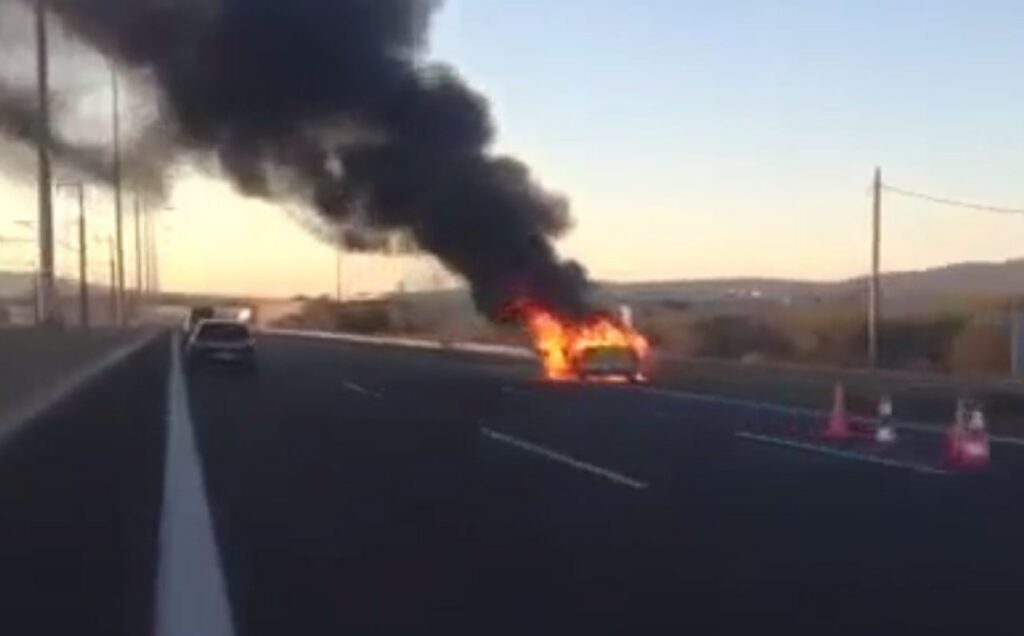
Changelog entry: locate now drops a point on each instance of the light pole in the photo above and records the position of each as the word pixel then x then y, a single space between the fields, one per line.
pixel 83 255
pixel 119 313
pixel 47 295
pixel 114 303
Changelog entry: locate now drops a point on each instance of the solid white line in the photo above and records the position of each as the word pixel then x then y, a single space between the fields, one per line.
pixel 15 419
pixel 501 351
pixel 191 595
pixel 999 439
pixel 841 454
pixel 355 388
pixel 547 453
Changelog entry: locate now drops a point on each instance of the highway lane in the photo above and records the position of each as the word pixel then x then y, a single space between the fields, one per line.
pixel 391 491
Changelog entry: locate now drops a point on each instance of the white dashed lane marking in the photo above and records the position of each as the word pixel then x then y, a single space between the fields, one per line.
pixel 355 388
pixel 555 456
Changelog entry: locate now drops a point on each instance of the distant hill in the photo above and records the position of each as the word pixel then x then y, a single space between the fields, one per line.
pixel 972 279
pixel 962 279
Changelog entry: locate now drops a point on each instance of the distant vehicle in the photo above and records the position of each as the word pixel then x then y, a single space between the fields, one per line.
pixel 198 315
pixel 608 362
pixel 227 341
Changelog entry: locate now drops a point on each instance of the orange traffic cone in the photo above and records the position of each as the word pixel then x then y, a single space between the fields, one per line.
pixel 838 427
pixel 969 446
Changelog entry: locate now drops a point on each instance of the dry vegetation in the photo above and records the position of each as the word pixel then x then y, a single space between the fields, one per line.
pixel 954 339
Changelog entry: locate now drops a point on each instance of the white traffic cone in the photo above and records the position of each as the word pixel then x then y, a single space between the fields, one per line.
pixel 885 434
pixel 956 432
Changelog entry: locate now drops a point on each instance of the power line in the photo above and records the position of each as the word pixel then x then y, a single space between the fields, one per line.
pixel 952 202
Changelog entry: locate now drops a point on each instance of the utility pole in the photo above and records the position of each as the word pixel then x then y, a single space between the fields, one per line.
pixel 47 292
pixel 875 296
pixel 119 313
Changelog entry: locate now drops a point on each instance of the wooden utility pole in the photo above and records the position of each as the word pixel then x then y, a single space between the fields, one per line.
pixel 47 300
pixel 875 294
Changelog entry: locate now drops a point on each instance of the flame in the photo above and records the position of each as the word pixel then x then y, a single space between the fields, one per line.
pixel 561 342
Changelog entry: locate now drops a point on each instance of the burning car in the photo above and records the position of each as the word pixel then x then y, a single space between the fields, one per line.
pixel 596 347
pixel 607 362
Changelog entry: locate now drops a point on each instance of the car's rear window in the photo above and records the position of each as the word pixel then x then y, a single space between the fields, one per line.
pixel 223 332
pixel 608 355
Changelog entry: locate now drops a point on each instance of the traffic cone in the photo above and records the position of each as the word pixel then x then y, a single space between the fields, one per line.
pixel 969 443
pixel 885 434
pixel 838 428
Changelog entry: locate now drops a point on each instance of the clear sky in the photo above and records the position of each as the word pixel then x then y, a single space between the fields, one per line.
pixel 706 138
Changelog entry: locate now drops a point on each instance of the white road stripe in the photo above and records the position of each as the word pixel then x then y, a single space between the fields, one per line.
pixel 191 595
pixel 355 388
pixel 547 453
pixel 839 453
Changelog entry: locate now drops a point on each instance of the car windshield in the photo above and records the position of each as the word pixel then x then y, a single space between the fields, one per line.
pixel 223 332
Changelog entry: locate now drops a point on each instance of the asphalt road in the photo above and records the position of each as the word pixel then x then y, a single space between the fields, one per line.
pixel 372 490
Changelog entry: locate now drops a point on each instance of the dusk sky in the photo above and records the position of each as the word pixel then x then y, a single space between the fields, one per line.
pixel 695 140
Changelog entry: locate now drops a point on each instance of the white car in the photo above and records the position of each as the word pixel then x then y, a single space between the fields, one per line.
pixel 227 341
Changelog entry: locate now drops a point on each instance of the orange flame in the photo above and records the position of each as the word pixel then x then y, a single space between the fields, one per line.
pixel 560 343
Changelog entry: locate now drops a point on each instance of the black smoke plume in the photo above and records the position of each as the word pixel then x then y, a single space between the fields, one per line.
pixel 330 102
pixel 19 122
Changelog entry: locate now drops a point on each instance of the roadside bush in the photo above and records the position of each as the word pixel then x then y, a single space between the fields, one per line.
pixel 738 336
pixel 366 320
pixel 670 331
pixel 920 344
pixel 982 350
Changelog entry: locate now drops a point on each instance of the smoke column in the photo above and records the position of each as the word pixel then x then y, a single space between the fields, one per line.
pixel 330 103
